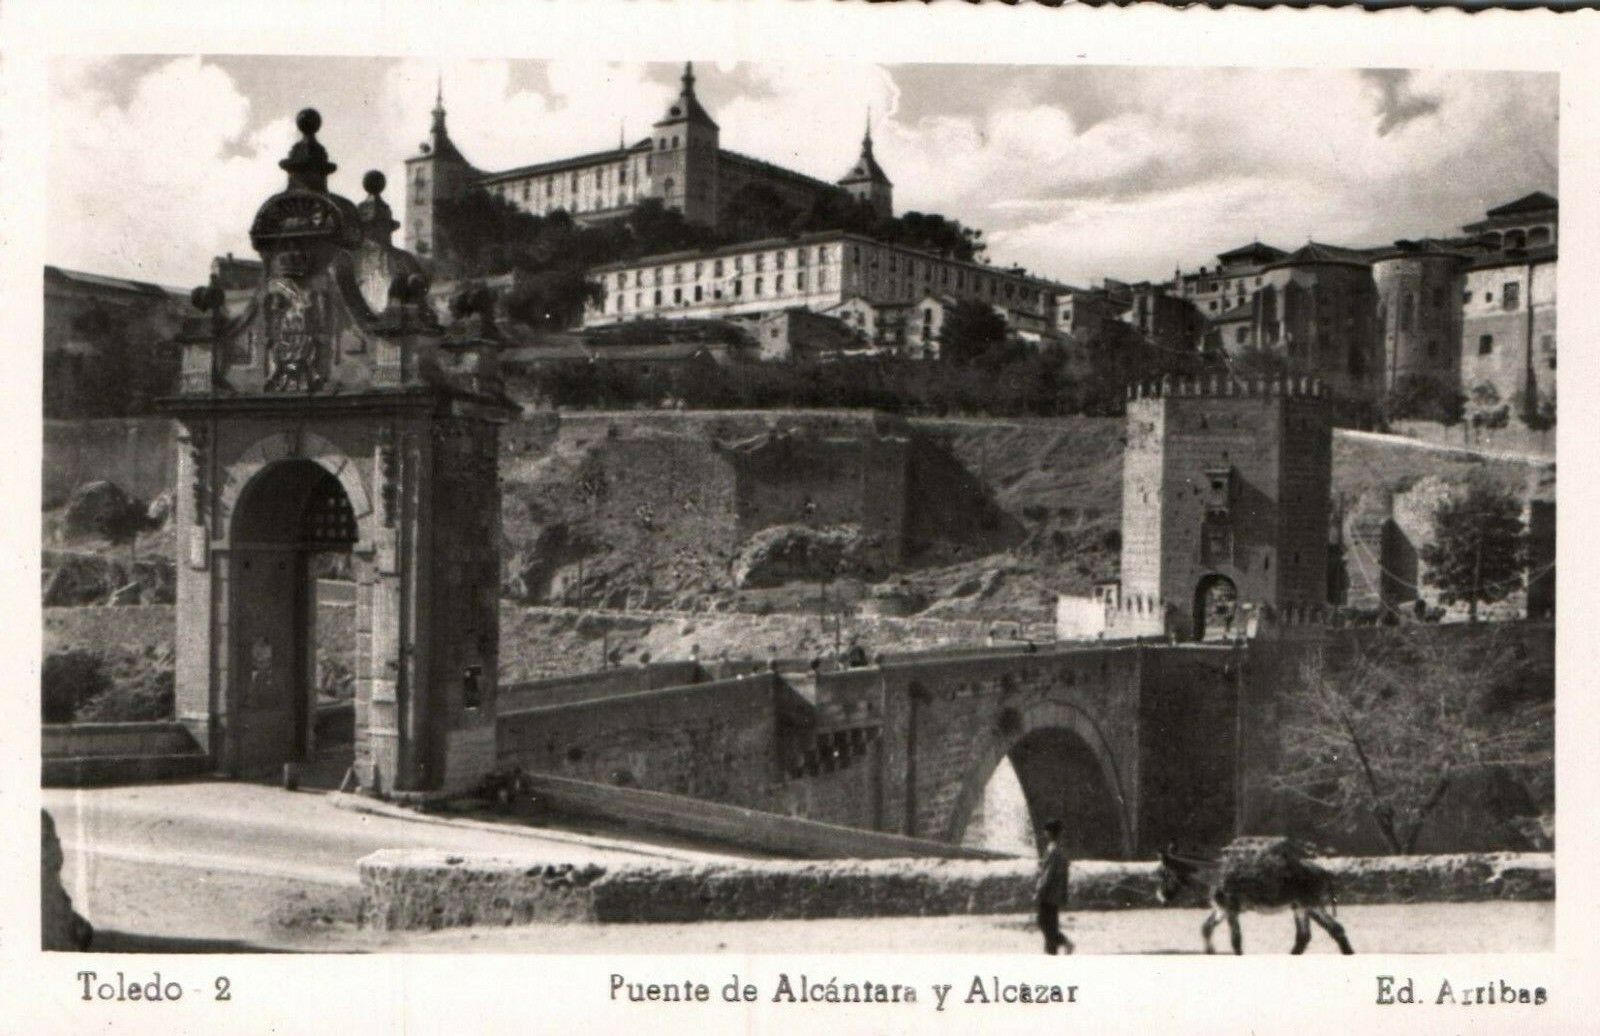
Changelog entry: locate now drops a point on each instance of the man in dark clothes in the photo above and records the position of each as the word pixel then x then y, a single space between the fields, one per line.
pixel 1051 891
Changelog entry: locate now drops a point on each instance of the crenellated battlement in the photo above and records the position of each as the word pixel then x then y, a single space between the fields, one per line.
pixel 1225 385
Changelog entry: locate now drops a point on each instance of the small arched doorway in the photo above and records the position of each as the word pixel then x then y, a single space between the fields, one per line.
pixel 292 529
pixel 1216 608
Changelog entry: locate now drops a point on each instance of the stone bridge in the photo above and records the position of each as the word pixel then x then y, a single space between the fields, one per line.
pixel 1132 745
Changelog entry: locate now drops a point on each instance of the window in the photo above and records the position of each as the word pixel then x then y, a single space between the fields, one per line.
pixel 677 295
pixel 800 281
pixel 716 268
pixel 738 288
pixel 549 188
pixel 622 302
pixel 761 262
pixel 777 284
pixel 697 295
pixel 1510 296
pixel 1488 296
pixel 777 259
pixel 758 285
pixel 658 296
pixel 1242 335
pixel 822 278
pixel 574 181
pixel 1485 345
pixel 622 175
pixel 799 256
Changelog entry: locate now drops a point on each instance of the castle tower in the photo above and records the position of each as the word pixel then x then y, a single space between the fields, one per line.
pixel 1419 313
pixel 683 162
pixel 1225 489
pixel 332 415
pixel 437 174
pixel 866 181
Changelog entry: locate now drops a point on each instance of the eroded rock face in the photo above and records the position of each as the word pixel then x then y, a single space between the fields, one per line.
pixel 94 504
pixel 61 927
pixel 781 553
pixel 75 579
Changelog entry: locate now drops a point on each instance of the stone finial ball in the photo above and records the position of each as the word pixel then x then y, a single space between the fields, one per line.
pixel 374 182
pixel 309 121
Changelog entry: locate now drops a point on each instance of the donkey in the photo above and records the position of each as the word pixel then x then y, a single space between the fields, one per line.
pixel 1255 874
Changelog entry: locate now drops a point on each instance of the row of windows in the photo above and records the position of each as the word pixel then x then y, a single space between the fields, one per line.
pixel 718 267
pixel 698 293
pixel 900 280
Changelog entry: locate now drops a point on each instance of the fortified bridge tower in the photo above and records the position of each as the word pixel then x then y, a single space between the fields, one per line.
pixel 1225 486
pixel 330 413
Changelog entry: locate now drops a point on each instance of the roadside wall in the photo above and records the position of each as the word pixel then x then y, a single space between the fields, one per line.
pixel 429 889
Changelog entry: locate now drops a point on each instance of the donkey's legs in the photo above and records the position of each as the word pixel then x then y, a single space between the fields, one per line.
pixel 1302 930
pixel 1234 934
pixel 1209 925
pixel 1332 927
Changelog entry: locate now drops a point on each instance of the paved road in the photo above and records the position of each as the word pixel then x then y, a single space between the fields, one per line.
pixel 253 864
pixel 219 866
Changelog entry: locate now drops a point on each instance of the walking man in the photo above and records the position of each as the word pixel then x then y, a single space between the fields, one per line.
pixel 1051 891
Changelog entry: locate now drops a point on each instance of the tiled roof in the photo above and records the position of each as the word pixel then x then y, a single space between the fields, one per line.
pixel 562 165
pixel 1538 201
pixel 1316 252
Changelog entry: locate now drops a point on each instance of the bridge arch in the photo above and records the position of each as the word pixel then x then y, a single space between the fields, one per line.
pixel 1067 771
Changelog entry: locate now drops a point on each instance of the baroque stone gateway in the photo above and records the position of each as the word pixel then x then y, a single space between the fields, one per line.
pixel 334 414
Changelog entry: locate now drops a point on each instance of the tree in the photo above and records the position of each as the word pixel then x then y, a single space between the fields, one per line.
pixel 1479 546
pixel 1420 397
pixel 1387 734
pixel 970 329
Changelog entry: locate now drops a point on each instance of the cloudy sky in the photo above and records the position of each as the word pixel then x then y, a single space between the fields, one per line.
pixel 157 163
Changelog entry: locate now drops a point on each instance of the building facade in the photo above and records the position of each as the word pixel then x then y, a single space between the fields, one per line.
pixel 682 163
pixel 1508 333
pixel 820 272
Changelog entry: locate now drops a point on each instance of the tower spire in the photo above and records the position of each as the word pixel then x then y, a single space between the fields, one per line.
pixel 688 78
pixel 438 106
pixel 866 138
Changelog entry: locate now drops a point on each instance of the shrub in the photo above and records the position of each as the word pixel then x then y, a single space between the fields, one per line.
pixel 69 679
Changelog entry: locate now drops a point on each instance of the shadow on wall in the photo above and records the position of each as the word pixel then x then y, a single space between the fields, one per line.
pixel 952 516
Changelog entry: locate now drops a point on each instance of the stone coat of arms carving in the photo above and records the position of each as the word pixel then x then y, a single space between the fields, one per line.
pixel 294 337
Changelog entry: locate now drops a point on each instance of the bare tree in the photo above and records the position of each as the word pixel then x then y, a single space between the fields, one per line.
pixel 1388 732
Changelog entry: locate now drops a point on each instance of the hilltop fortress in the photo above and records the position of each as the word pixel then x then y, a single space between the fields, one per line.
pixel 682 163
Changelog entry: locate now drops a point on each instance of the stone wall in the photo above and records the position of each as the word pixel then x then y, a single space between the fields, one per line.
pixel 715 740
pixel 430 889
pixel 139 454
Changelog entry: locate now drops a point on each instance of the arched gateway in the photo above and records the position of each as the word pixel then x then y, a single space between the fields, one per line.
pixel 329 412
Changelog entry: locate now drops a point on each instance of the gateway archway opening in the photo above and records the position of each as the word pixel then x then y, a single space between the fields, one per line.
pixel 1050 773
pixel 294 656
pixel 1216 608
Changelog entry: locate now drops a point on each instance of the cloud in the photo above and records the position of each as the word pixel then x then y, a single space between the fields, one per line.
pixel 155 186
pixel 1397 104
